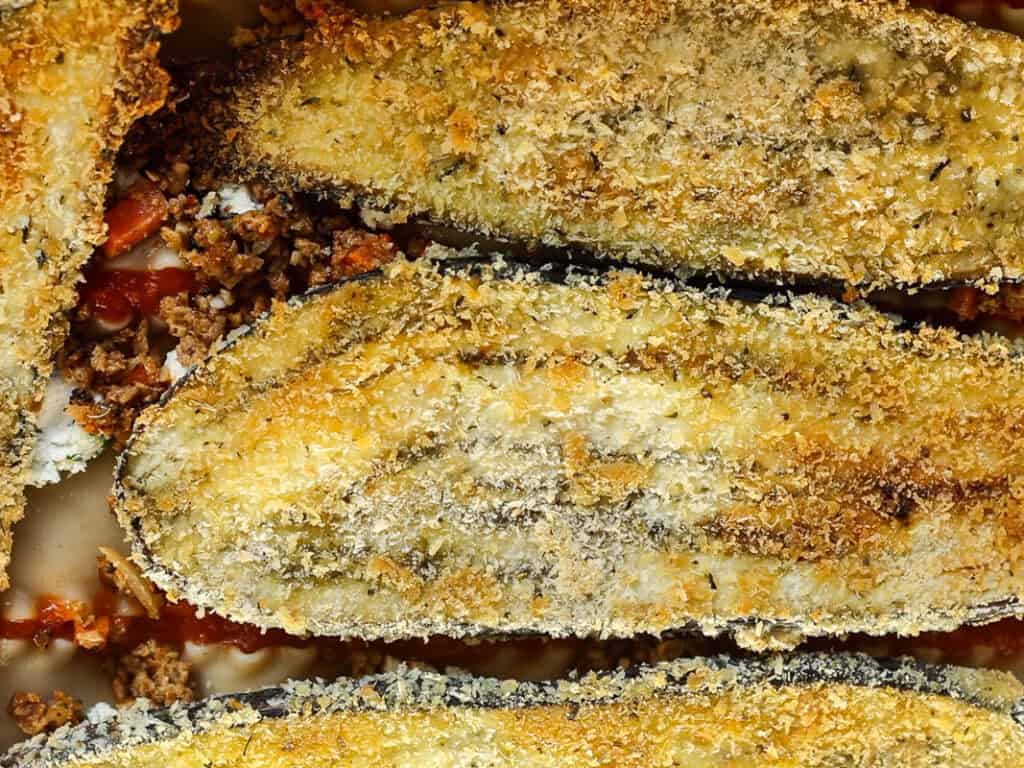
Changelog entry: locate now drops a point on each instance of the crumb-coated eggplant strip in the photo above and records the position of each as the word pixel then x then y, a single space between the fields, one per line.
pixel 74 75
pixel 779 711
pixel 858 140
pixel 444 452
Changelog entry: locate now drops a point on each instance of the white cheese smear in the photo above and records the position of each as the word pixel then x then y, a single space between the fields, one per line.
pixel 63 447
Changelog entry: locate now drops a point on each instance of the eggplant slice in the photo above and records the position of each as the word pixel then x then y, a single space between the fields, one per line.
pixel 469 451
pixel 779 711
pixel 74 75
pixel 855 140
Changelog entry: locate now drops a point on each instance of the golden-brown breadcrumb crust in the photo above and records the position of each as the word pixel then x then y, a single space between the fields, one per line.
pixel 74 75
pixel 779 711
pixel 856 140
pixel 443 453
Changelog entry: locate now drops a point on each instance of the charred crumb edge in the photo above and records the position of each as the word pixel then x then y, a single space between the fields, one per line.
pixel 411 690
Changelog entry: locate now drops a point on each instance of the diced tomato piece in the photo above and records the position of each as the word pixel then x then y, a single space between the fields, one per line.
pixel 119 294
pixel 134 217
pixel 107 303
pixel 965 302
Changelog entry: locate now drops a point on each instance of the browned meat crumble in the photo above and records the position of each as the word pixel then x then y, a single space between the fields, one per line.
pixel 240 264
pixel 34 715
pixel 152 671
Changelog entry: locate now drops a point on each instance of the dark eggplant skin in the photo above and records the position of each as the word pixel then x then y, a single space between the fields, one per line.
pixel 754 628
pixel 896 712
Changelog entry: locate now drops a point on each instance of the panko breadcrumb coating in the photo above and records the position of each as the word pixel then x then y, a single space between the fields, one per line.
pixel 854 140
pixel 432 451
pixel 74 75
pixel 774 712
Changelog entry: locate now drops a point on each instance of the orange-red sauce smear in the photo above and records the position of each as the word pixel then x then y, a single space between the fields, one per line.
pixel 119 295
pixel 180 623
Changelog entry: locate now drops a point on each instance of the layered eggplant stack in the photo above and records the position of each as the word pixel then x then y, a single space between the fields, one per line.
pixel 478 445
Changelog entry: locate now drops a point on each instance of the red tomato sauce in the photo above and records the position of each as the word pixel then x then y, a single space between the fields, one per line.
pixel 179 623
pixel 119 295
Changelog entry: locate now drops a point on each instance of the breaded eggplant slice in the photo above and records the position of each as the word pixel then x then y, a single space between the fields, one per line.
pixel 856 140
pixel 74 75
pixel 453 452
pixel 780 711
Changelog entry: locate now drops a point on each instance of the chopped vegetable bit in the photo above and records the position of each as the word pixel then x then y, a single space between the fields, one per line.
pixel 134 218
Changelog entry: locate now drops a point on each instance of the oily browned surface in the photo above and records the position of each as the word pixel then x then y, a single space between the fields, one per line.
pixel 74 75
pixel 460 455
pixel 860 141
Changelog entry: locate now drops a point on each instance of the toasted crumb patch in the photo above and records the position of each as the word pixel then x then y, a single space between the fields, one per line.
pixel 775 712
pixel 33 715
pixel 441 451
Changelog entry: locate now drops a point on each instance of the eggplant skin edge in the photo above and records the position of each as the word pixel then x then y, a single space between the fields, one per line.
pixel 806 709
pixel 879 156
pixel 754 628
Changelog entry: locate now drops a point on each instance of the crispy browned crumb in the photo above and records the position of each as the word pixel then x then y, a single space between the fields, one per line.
pixel 155 672
pixel 34 715
pixel 197 328
pixel 218 255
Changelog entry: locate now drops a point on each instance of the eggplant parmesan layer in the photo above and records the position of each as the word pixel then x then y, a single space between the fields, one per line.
pixel 861 141
pixel 455 452
pixel 74 75
pixel 780 711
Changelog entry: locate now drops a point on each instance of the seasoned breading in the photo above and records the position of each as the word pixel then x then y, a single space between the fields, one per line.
pixel 857 140
pixel 780 711
pixel 443 453
pixel 74 75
